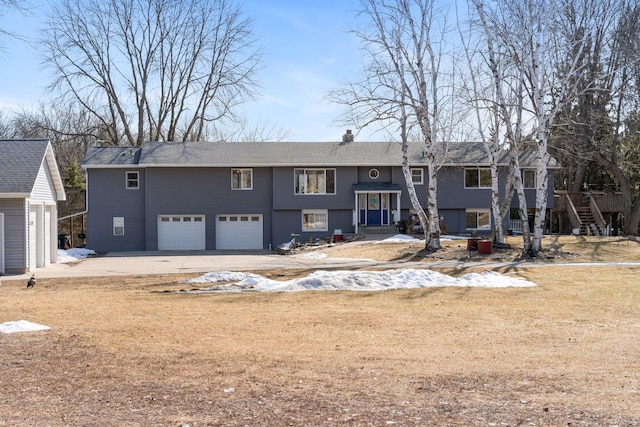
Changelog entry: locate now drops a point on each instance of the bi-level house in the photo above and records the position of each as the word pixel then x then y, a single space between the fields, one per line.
pixel 208 196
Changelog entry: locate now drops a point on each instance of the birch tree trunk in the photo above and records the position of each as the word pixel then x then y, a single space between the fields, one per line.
pixel 403 84
pixel 406 171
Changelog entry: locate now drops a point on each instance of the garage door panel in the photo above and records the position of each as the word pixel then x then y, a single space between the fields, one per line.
pixel 239 232
pixel 181 232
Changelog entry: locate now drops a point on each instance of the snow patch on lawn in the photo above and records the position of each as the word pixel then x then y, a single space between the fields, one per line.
pixel 354 281
pixel 21 326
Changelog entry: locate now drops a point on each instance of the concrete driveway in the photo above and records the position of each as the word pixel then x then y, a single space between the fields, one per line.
pixel 171 262
pixel 196 262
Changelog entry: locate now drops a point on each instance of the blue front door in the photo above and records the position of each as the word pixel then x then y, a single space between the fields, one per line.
pixel 374 213
pixel 373 208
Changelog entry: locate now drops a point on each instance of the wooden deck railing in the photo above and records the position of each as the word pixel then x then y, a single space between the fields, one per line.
pixel 597 214
pixel 606 202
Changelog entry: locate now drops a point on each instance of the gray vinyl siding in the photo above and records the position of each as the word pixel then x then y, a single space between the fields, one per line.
pixel 405 201
pixel 288 206
pixel 385 174
pixel 107 198
pixel 284 197
pixel 290 221
pixel 15 232
pixel 205 191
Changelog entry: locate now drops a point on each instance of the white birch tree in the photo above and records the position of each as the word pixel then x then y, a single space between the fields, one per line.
pixel 542 48
pixel 505 110
pixel 407 83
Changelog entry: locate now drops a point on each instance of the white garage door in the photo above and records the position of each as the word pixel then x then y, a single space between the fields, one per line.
pixel 239 232
pixel 181 232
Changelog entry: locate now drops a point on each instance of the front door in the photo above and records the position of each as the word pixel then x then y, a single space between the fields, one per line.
pixel 374 209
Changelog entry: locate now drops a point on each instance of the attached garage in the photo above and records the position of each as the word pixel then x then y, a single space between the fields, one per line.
pixel 181 233
pixel 239 231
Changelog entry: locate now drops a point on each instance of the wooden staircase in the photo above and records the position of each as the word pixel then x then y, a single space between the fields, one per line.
pixel 588 225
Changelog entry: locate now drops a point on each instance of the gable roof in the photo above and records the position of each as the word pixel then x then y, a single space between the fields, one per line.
pixel 20 162
pixel 283 154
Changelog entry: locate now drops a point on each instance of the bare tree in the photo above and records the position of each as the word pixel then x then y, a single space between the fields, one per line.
pixel 540 40
pixel 8 6
pixel 506 109
pixel 257 131
pixel 485 102
pixel 616 151
pixel 152 69
pixel 71 130
pixel 407 82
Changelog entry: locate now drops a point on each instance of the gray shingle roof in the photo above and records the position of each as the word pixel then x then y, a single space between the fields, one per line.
pixel 112 156
pixel 265 154
pixel 20 161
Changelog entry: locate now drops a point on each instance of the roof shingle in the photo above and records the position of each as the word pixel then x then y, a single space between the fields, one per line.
pixel 20 161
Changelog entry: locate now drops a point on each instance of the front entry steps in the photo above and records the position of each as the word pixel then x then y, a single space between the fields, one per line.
pixel 379 229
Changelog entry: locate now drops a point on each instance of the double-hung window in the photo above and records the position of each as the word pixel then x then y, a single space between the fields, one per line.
pixel 315 181
pixel 417 176
pixel 314 220
pixel 241 179
pixel 133 180
pixel 477 178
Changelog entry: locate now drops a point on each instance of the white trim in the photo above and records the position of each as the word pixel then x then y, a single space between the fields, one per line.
pixel 421 170
pixel 478 169
pixel 304 173
pixel 137 180
pixel 118 222
pixel 477 211
pixel 315 212
pixel 241 187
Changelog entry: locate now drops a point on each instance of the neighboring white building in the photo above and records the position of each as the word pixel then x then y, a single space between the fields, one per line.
pixel 30 188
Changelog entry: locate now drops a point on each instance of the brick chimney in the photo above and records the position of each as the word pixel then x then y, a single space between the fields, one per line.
pixel 347 137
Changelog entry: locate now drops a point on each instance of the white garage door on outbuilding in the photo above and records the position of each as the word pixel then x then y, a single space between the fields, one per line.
pixel 239 231
pixel 181 233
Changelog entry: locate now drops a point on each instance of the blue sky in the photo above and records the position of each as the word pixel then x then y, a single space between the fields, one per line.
pixel 307 53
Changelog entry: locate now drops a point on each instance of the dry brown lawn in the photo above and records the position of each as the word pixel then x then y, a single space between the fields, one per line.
pixel 123 351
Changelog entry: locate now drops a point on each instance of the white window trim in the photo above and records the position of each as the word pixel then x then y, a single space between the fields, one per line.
pixel 137 180
pixel 421 182
pixel 118 223
pixel 324 212
pixel 479 211
pixel 477 169
pixel 241 181
pixel 304 171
